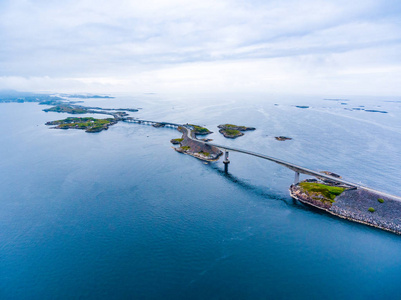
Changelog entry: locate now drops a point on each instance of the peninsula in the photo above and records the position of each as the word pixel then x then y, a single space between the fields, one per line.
pixel 358 205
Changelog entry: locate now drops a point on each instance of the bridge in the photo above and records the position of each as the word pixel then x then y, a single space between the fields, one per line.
pixel 146 122
pixel 297 169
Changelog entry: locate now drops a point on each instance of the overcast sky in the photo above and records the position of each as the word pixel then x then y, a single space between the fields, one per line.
pixel 313 47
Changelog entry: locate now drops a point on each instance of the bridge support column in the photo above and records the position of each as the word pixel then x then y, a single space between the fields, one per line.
pixel 226 161
pixel 296 179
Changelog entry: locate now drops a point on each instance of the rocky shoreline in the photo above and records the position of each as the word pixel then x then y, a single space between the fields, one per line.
pixel 195 148
pixel 282 138
pixel 356 205
pixel 87 124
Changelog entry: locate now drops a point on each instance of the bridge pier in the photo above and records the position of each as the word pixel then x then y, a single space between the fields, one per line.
pixel 296 179
pixel 226 161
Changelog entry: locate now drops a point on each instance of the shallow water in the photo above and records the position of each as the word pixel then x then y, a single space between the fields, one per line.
pixel 120 214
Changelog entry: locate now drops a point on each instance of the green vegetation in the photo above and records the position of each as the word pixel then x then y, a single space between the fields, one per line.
pixel 204 153
pixel 229 126
pixel 232 131
pixel 67 109
pixel 177 140
pixel 200 130
pixel 326 192
pixel 381 200
pixel 89 124
pixel 371 209
pixel 185 148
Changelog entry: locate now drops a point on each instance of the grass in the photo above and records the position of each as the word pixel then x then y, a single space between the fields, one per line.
pixel 67 109
pixel 90 124
pixel 371 209
pixel 329 193
pixel 185 148
pixel 200 129
pixel 381 200
pixel 177 140
pixel 204 153
pixel 228 126
pixel 232 131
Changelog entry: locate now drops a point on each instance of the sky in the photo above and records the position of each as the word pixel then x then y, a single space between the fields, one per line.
pixel 331 47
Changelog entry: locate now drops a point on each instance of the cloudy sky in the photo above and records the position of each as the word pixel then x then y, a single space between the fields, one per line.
pixel 336 47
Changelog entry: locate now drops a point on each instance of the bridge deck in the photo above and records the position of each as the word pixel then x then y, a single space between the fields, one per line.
pixel 294 167
pixel 289 165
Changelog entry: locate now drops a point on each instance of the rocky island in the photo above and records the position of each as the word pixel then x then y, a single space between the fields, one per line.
pixel 358 205
pixel 79 109
pixel 233 131
pixel 63 108
pixel 87 124
pixel 282 138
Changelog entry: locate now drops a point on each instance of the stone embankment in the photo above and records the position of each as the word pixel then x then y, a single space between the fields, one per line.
pixel 354 205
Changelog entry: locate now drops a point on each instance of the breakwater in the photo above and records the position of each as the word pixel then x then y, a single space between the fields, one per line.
pixel 354 204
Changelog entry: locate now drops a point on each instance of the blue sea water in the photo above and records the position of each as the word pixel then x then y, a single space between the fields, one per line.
pixel 119 214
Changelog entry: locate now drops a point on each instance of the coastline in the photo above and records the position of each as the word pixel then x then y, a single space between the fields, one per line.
pixel 335 210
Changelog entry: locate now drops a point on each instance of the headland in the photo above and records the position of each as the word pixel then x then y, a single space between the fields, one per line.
pixel 357 205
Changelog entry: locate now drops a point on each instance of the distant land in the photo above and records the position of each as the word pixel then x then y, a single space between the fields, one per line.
pixel 7 96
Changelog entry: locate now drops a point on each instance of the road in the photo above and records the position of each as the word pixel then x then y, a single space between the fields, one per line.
pixel 190 134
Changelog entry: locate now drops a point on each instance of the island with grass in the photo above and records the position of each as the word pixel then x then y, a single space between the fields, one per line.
pixel 364 206
pixel 65 108
pixel 88 124
pixel 233 131
pixel 200 130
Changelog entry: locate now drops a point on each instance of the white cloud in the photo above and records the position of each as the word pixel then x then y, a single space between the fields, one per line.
pixel 126 45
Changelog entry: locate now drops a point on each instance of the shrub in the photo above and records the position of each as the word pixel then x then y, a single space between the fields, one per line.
pixel 327 191
pixel 380 200
pixel 371 209
pixel 232 131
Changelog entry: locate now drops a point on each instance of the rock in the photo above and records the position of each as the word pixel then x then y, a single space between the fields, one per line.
pixel 331 174
pixel 233 131
pixel 235 127
pixel 199 130
pixel 176 141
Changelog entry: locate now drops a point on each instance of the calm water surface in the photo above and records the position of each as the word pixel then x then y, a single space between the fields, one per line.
pixel 119 214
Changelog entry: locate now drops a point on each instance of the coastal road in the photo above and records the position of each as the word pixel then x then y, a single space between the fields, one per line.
pixel 191 135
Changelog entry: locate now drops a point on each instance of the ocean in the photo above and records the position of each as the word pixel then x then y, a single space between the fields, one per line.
pixel 120 214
